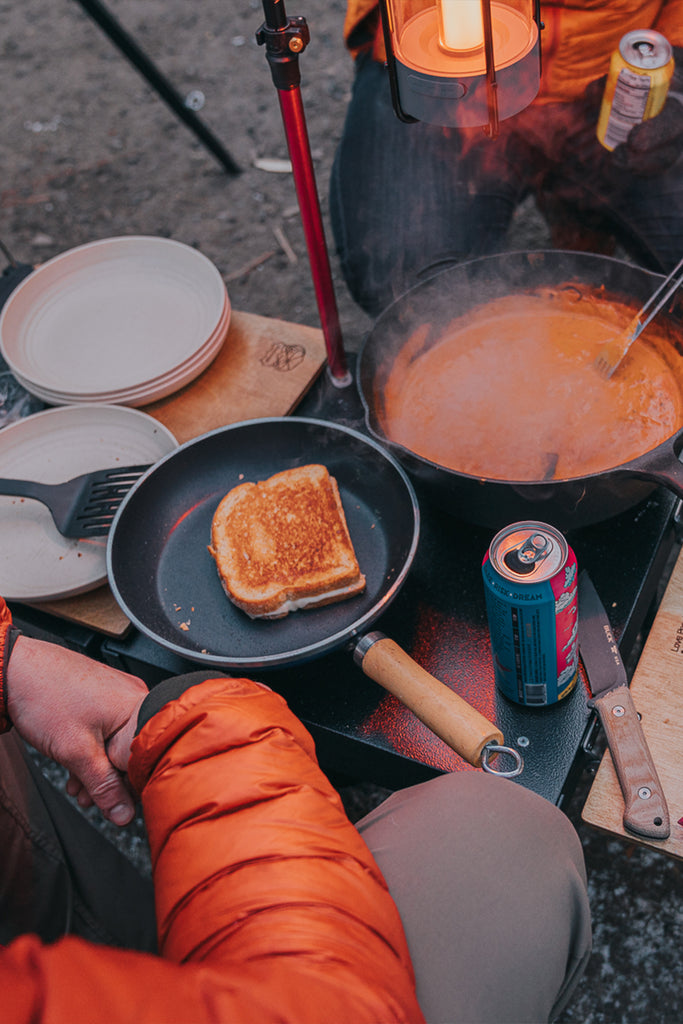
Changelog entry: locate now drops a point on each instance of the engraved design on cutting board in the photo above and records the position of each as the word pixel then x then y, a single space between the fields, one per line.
pixel 283 357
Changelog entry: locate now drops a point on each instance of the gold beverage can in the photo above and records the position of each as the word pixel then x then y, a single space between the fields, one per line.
pixel 638 81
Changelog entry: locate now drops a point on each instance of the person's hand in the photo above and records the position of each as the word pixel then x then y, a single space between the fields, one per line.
pixel 81 714
pixel 655 145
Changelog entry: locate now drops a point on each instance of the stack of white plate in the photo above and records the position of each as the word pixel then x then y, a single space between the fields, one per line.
pixel 122 321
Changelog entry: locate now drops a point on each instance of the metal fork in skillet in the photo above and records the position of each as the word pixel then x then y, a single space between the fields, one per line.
pixel 84 506
pixel 612 352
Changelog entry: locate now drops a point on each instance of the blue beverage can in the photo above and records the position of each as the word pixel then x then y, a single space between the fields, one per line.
pixel 530 583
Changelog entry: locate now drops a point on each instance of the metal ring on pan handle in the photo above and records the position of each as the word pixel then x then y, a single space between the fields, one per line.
pixel 495 748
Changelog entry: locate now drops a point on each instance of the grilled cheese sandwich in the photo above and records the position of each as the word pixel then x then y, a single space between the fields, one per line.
pixel 283 544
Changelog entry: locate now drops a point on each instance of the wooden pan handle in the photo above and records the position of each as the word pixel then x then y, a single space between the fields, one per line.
pixel 453 720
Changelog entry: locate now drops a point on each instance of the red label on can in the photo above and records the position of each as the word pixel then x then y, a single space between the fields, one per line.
pixel 565 589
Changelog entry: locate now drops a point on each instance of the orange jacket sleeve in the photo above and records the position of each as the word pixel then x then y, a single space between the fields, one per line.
pixel 580 37
pixel 269 904
pixel 5 625
pixel 670 22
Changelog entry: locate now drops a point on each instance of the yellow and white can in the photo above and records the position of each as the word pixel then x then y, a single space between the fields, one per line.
pixel 637 84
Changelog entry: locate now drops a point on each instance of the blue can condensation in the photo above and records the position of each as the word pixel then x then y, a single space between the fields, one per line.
pixel 530 583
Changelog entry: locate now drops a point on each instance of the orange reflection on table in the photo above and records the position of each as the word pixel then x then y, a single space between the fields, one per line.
pixel 467 669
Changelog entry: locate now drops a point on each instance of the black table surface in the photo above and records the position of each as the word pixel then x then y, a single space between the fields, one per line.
pixel 439 617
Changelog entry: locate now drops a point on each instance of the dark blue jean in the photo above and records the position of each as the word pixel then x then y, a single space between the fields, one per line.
pixel 60 875
pixel 407 199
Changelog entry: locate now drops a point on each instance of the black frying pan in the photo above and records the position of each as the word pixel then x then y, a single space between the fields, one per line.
pixel 165 580
pixel 160 569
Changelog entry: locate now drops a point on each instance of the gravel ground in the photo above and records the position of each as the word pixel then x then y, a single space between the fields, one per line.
pixel 88 150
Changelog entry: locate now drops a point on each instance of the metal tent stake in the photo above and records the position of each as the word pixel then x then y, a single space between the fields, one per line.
pixel 285 38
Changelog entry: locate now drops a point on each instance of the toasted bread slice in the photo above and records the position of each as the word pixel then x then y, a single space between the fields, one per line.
pixel 283 544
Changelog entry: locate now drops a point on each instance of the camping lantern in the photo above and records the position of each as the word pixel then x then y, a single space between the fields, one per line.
pixel 462 63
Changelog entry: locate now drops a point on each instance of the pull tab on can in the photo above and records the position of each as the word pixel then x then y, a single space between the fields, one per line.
pixel 524 559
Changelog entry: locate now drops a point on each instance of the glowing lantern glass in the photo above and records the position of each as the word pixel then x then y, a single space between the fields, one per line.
pixel 462 63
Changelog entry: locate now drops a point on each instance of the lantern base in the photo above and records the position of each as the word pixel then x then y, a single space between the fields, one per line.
pixel 463 102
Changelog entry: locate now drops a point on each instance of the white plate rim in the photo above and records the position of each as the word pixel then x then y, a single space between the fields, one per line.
pixel 143 395
pixel 82 562
pixel 103 250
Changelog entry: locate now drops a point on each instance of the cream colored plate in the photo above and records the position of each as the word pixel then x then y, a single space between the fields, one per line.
pixel 144 395
pixel 111 315
pixel 36 562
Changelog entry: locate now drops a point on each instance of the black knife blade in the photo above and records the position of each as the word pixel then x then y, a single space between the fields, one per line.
pixel 645 810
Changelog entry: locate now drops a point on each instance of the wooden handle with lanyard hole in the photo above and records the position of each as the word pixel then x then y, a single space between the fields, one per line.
pixel 452 719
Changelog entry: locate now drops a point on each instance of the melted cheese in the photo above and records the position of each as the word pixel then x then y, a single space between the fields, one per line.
pixel 307 602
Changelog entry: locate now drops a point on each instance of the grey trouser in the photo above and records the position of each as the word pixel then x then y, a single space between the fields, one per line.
pixel 488 879
pixel 490 882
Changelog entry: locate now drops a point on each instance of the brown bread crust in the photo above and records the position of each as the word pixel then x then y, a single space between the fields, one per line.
pixel 284 539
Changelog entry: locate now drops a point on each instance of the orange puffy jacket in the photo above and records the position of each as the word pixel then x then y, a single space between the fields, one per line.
pixel 577 41
pixel 269 904
pixel 5 623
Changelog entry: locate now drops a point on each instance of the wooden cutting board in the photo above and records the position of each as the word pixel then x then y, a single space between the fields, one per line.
pixel 264 368
pixel 657 690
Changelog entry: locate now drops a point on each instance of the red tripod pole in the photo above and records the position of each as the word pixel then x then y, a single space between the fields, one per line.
pixel 285 38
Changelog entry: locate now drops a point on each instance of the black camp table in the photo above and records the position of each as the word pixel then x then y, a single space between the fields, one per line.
pixel 439 617
pixel 361 732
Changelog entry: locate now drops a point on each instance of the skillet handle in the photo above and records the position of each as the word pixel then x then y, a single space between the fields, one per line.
pixel 663 467
pixel 453 720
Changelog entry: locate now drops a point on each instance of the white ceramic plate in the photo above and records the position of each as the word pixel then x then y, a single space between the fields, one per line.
pixel 111 315
pixel 36 562
pixel 143 395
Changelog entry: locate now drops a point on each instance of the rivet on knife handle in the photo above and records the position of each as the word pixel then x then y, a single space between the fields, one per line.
pixel 645 813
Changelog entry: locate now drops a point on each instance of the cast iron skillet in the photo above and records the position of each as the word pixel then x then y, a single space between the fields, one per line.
pixel 567 503
pixel 165 580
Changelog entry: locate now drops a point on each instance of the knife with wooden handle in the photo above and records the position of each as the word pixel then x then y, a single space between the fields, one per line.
pixel 645 810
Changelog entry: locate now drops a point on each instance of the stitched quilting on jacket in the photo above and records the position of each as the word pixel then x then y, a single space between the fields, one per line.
pixel 269 905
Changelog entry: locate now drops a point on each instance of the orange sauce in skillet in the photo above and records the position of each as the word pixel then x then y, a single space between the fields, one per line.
pixel 509 390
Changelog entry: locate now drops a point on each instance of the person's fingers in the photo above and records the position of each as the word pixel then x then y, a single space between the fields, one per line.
pixel 73 785
pixel 104 785
pixel 118 744
pixel 75 789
